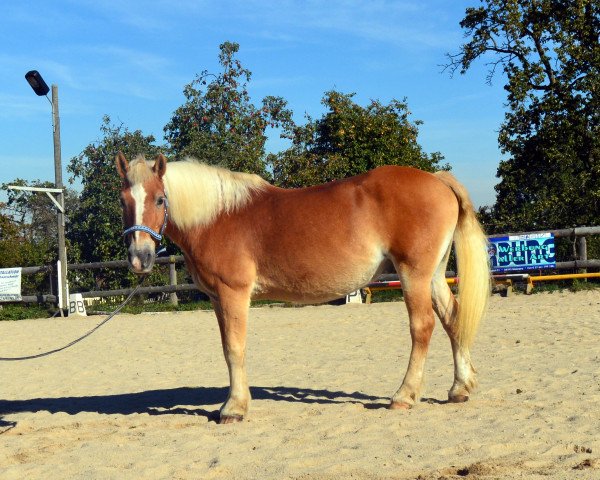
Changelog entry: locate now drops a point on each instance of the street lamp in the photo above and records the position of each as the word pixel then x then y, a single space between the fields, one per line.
pixel 36 82
pixel 40 87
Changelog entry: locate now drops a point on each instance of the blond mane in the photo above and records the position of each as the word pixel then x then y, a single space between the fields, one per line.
pixel 198 192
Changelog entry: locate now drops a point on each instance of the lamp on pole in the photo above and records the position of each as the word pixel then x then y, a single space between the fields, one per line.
pixel 40 87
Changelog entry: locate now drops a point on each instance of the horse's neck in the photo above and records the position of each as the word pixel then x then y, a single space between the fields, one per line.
pixel 180 237
pixel 191 239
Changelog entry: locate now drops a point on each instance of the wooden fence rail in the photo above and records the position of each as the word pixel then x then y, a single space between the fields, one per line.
pixel 560 233
pixel 578 235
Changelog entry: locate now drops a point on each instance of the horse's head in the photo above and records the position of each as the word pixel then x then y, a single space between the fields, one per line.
pixel 145 208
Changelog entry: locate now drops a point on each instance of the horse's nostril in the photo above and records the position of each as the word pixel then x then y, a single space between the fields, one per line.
pixel 141 259
pixel 146 258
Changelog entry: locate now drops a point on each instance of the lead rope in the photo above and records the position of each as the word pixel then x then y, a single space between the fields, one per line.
pixel 45 354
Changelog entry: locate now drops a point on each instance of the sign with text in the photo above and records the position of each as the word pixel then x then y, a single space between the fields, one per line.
pixel 76 305
pixel 10 285
pixel 354 297
pixel 522 252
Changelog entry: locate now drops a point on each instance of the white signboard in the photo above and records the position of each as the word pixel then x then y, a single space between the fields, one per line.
pixel 531 251
pixel 76 305
pixel 10 284
pixel 354 297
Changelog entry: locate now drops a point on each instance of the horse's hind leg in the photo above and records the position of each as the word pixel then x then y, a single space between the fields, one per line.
pixel 232 313
pixel 417 295
pixel 446 308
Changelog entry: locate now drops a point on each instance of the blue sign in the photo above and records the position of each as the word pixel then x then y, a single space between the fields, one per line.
pixel 522 252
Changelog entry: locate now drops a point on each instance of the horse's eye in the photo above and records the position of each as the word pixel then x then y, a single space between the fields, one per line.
pixel 160 201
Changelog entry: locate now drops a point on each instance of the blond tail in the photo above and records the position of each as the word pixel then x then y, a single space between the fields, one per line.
pixel 470 244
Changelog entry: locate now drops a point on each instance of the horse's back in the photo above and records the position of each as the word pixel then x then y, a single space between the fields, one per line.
pixel 387 199
pixel 332 238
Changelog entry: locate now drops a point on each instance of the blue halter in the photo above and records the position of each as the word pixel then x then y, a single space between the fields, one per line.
pixel 158 236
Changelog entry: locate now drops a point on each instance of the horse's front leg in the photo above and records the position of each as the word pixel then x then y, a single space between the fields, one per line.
pixel 231 309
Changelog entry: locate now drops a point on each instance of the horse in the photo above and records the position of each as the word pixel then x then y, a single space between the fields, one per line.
pixel 243 239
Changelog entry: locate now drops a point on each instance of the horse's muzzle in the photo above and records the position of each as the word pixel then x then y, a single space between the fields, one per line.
pixel 141 260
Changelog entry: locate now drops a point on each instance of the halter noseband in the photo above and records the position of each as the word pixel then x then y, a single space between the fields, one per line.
pixel 158 236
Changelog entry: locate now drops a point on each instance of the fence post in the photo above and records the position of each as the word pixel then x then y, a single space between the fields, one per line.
pixel 173 279
pixel 581 252
pixel 52 281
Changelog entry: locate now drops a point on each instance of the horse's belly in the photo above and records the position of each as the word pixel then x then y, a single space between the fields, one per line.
pixel 321 283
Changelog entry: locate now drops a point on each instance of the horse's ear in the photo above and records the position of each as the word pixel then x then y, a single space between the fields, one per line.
pixel 160 165
pixel 122 165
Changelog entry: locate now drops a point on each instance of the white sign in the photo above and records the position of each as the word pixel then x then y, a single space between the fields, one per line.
pixel 76 305
pixel 354 297
pixel 10 285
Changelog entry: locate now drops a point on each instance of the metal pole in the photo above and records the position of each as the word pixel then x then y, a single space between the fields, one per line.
pixel 62 251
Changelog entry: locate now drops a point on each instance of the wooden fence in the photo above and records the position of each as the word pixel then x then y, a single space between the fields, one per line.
pixel 578 235
pixel 172 261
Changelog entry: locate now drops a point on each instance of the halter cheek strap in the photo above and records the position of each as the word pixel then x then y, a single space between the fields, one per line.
pixel 158 236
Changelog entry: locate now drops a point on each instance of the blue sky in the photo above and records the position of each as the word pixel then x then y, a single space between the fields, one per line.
pixel 131 59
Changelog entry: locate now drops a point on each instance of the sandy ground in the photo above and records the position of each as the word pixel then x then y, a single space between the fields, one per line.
pixel 139 398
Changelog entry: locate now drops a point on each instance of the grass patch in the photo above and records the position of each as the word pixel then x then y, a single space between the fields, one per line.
pixel 579 285
pixel 23 312
pixel 557 286
pixel 138 307
pixel 381 296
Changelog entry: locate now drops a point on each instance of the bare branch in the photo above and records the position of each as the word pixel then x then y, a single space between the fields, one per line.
pixel 543 58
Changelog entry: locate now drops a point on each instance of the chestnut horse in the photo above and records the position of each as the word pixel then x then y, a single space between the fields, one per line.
pixel 244 239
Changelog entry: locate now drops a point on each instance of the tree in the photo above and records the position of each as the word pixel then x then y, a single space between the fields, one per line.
pixel 18 250
pixel 350 139
pixel 218 123
pixel 96 229
pixel 29 231
pixel 22 245
pixel 549 51
pixel 35 213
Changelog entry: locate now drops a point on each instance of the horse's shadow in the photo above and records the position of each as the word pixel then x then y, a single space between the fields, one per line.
pixel 182 401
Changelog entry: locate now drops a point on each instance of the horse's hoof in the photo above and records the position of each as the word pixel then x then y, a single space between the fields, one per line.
pixel 400 406
pixel 231 419
pixel 458 398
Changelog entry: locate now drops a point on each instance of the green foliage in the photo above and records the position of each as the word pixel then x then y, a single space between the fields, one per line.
pixel 95 231
pixel 33 212
pixel 17 249
pixel 383 296
pixel 550 53
pixel 584 285
pixel 140 307
pixel 350 139
pixel 22 312
pixel 29 225
pixel 28 232
pixel 219 125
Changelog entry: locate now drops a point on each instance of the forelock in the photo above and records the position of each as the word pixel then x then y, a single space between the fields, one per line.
pixel 140 170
